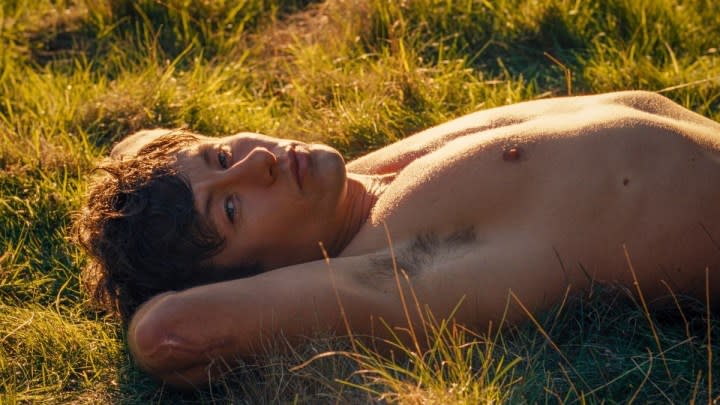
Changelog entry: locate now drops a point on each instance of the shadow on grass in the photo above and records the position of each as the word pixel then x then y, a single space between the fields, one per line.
pixel 266 380
pixel 603 346
pixel 95 30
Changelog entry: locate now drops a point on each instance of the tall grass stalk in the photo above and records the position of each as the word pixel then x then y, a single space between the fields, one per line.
pixel 76 76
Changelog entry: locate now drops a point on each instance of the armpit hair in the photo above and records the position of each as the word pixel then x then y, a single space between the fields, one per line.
pixel 417 257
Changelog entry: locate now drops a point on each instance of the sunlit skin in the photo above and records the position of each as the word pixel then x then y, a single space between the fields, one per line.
pixel 533 198
pixel 272 200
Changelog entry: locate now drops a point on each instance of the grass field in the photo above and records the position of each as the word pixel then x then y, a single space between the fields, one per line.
pixel 76 76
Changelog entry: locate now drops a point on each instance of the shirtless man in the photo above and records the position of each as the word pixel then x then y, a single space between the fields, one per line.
pixel 529 198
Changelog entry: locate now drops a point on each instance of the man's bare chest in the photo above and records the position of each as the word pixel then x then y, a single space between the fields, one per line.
pixel 438 198
pixel 549 180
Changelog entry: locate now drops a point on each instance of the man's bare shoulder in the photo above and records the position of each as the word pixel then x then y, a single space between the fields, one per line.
pixel 398 155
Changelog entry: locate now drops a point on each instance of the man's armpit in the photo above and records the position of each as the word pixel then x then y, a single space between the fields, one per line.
pixel 380 274
pixel 423 253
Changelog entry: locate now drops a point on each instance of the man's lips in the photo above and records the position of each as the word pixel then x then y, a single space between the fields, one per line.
pixel 298 164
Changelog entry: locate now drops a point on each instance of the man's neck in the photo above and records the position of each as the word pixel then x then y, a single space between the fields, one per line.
pixel 363 192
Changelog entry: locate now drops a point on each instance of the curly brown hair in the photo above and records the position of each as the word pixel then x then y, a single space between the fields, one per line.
pixel 142 232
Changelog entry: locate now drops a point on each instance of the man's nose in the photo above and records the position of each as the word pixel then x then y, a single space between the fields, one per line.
pixel 257 168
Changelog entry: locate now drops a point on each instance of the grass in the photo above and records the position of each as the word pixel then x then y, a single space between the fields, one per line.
pixel 75 76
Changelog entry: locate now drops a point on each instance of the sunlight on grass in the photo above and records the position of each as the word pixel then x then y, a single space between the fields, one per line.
pixel 43 352
pixel 458 367
pixel 76 76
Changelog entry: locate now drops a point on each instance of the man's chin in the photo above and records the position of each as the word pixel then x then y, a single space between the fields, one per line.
pixel 321 148
pixel 328 164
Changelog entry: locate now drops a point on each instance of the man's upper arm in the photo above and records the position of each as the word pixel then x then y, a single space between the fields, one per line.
pixel 177 335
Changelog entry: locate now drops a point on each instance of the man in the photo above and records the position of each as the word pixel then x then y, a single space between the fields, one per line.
pixel 529 198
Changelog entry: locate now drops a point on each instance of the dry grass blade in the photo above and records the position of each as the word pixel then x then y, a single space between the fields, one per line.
pixel 77 76
pixel 646 311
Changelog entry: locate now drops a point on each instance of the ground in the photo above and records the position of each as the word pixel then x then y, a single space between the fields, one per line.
pixel 75 76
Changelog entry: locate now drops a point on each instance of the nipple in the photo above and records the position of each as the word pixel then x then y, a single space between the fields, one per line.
pixel 512 154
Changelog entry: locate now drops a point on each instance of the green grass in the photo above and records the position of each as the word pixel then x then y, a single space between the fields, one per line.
pixel 75 76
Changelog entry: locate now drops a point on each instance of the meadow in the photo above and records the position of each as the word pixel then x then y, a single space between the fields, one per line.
pixel 77 76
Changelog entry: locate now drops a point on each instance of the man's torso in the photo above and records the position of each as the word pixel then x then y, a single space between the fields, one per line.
pixel 543 195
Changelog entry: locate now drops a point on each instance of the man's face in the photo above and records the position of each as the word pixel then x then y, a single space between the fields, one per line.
pixel 271 200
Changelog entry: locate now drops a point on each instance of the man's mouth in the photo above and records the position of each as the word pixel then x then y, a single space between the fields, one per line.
pixel 295 166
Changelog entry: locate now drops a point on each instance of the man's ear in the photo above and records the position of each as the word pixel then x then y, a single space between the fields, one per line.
pixel 129 147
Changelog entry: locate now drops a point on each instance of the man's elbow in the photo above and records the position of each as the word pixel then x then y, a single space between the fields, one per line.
pixel 158 350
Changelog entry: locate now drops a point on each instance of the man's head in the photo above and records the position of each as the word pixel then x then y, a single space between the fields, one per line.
pixel 174 210
pixel 271 200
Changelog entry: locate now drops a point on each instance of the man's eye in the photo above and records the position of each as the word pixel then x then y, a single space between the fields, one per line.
pixel 230 210
pixel 223 159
